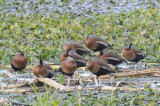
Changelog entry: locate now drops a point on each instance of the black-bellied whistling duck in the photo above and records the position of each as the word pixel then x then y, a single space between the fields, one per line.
pixel 64 56
pixel 99 67
pixel 43 70
pixel 68 67
pixel 110 57
pixel 19 62
pixel 133 54
pixel 81 62
pixel 78 48
pixel 95 43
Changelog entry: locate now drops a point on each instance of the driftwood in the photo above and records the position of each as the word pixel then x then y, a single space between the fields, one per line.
pixel 51 83
pixel 120 88
pixel 15 86
pixel 9 74
pixel 17 90
pixel 56 85
pixel 156 74
pixel 152 69
pixel 79 88
pixel 20 104
pixel 133 73
pixel 62 87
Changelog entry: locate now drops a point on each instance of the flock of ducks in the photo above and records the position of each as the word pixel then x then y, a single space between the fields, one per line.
pixel 72 58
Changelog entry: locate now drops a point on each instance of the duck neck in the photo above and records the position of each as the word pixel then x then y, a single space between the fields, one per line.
pixel 101 52
pixel 21 53
pixel 130 46
pixel 41 63
pixel 67 53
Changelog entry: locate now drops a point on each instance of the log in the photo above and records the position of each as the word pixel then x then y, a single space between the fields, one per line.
pixel 121 88
pixel 152 69
pixel 156 74
pixel 17 90
pixel 52 83
pixel 19 104
pixel 15 86
pixel 9 74
pixel 106 88
pixel 134 73
pixel 61 87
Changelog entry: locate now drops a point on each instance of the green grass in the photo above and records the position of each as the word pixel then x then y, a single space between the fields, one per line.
pixel 146 97
pixel 37 34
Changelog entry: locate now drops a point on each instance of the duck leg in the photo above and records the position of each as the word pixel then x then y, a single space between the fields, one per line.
pixel 74 75
pixel 17 78
pixel 135 66
pixel 112 77
pixel 68 82
pixel 95 80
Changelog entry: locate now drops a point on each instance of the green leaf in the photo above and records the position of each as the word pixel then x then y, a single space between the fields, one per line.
pixel 61 78
pixel 55 103
pixel 12 27
pixel 1 1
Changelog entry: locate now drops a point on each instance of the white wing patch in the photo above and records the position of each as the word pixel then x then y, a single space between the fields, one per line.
pixel 113 58
pixel 141 54
pixel 103 43
pixel 105 68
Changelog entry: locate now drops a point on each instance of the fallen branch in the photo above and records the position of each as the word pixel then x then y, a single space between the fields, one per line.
pixel 20 104
pixel 52 83
pixel 156 74
pixel 61 87
pixel 134 73
pixel 9 74
pixel 121 88
pixel 17 90
pixel 106 88
pixel 152 69
pixel 15 86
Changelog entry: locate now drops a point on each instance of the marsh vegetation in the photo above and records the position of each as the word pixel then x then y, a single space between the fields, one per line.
pixel 42 26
